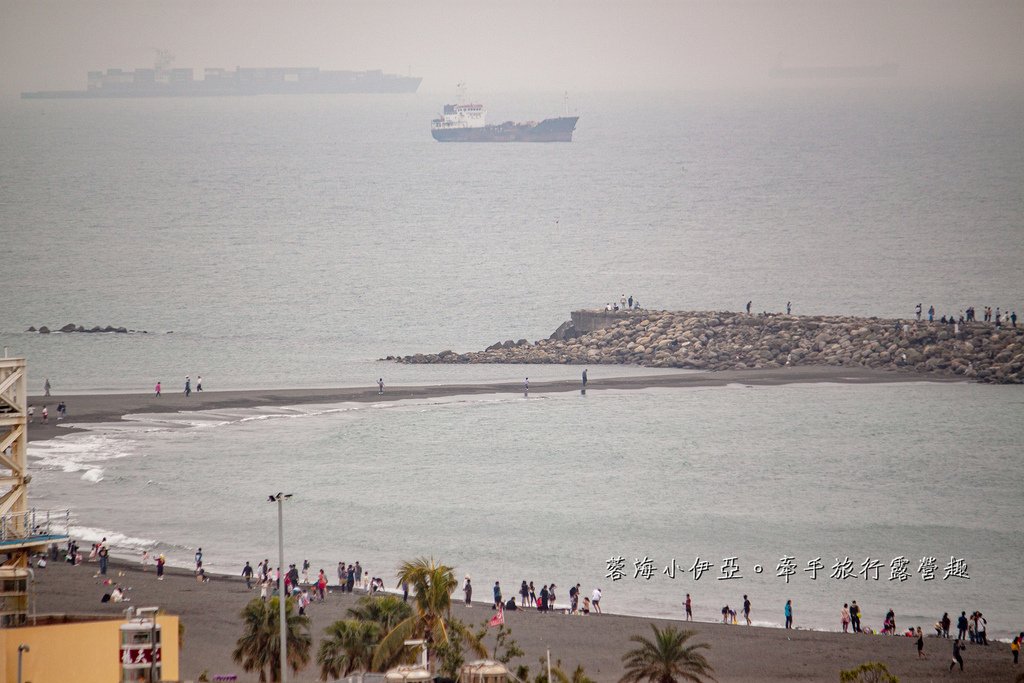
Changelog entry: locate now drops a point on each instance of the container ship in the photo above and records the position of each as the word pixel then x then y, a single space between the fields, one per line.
pixel 468 123
pixel 167 82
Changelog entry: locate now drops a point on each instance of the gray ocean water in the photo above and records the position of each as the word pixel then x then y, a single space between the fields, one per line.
pixel 293 241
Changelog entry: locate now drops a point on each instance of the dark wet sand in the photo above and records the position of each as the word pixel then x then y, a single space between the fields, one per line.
pixel 739 653
pixel 85 409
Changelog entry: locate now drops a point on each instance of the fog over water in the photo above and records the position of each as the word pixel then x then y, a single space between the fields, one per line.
pixel 575 46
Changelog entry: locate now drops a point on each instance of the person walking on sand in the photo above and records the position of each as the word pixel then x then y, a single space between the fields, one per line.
pixel 46 414
pixel 199 383
pixel 188 386
pixel 920 643
pixel 31 413
pixel 158 389
pixel 497 596
pixel 584 378
pixel 746 609
pixel 595 600
pixel 46 387
pixel 957 658
pixel 526 385
pixel 380 386
pixel 844 618
pixel 788 611
pixel 247 575
pixel 689 608
pixel 467 588
pixel 160 562
pixel 145 560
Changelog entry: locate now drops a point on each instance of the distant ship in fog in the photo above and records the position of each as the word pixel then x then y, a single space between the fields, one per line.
pixel 886 70
pixel 163 81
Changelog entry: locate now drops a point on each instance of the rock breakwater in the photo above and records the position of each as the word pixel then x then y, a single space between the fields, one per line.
pixel 719 340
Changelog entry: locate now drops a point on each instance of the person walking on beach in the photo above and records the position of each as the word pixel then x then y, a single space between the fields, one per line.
pixel 199 558
pixel 199 383
pixel 46 387
pixel 920 643
pixel 526 385
pixel 789 613
pixel 158 389
pixel 247 575
pixel 467 588
pixel 584 378
pixel 46 414
pixel 957 658
pixel 145 560
pixel 689 608
pixel 595 600
pixel 188 386
pixel 380 386
pixel 746 609
pixel 160 562
pixel 844 618
pixel 497 596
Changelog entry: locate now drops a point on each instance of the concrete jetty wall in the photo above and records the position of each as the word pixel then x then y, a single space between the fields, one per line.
pixel 723 340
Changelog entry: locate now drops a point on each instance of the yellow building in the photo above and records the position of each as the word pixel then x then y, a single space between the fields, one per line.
pixel 88 649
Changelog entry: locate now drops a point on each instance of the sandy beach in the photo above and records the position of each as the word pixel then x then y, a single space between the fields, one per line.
pixel 92 408
pixel 209 612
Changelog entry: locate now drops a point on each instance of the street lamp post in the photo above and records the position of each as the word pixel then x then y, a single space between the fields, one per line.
pixel 21 649
pixel 281 597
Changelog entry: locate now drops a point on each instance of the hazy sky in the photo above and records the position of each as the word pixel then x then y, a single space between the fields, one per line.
pixel 518 44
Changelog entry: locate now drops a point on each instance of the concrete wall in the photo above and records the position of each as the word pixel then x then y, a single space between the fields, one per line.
pixel 597 319
pixel 84 652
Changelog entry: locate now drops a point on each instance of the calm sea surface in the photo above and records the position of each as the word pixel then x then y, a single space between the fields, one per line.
pixel 290 242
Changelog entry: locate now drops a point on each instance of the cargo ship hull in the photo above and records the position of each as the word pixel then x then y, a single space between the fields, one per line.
pixel 549 130
pixel 115 83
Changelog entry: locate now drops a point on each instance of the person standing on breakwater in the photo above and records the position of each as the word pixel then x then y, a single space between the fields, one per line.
pixel 931 314
pixel 748 307
pixel 188 386
pixel 630 301
pixel 917 311
pixel 622 302
pixel 789 307
pixel 788 611
pixel 380 386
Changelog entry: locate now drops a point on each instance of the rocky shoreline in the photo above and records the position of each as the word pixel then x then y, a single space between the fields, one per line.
pixel 723 340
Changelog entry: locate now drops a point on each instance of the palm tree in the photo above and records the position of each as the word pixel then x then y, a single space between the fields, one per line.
pixel 430 620
pixel 347 648
pixel 387 611
pixel 666 659
pixel 259 648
